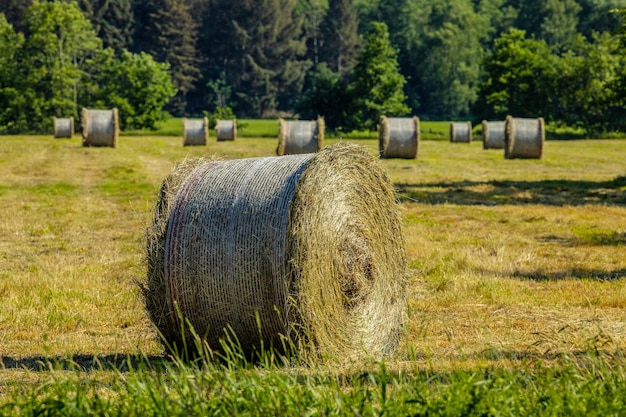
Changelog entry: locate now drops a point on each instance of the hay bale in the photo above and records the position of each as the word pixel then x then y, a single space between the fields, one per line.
pixel 195 132
pixel 225 130
pixel 523 138
pixel 300 136
pixel 100 127
pixel 303 247
pixel 398 137
pixel 461 132
pixel 63 127
pixel 493 135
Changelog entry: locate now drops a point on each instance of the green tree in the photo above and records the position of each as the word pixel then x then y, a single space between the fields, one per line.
pixel 14 11
pixel 12 100
pixel 517 78
pixel 377 83
pixel 134 83
pixel 112 20
pixel 340 38
pixel 166 30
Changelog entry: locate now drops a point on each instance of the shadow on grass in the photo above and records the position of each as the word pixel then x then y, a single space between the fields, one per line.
pixel 490 193
pixel 573 273
pixel 85 363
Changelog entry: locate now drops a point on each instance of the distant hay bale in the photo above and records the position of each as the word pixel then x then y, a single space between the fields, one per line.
pixel 398 137
pixel 100 127
pixel 493 135
pixel 63 127
pixel 306 249
pixel 195 132
pixel 461 132
pixel 523 138
pixel 300 136
pixel 226 130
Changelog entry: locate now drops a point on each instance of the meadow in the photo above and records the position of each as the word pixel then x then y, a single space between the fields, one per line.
pixel 517 296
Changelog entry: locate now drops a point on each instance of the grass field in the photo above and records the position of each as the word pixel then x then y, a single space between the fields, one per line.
pixel 517 289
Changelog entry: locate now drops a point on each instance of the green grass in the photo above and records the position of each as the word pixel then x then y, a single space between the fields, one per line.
pixel 517 296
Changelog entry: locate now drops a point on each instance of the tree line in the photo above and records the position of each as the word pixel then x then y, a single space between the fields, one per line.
pixel 347 60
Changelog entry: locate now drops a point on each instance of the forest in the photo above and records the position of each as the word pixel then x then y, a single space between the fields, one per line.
pixel 347 60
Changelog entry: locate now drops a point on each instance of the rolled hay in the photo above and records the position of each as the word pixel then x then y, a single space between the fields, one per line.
pixel 523 138
pixel 226 130
pixel 398 137
pixel 493 135
pixel 100 127
pixel 303 249
pixel 63 127
pixel 300 136
pixel 195 132
pixel 461 132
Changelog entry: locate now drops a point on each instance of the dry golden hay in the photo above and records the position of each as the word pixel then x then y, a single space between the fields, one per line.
pixel 523 138
pixel 300 136
pixel 195 132
pixel 303 248
pixel 398 137
pixel 493 135
pixel 226 130
pixel 461 132
pixel 100 127
pixel 63 127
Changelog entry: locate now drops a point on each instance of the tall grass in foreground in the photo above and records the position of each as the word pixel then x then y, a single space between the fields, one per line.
pixel 588 385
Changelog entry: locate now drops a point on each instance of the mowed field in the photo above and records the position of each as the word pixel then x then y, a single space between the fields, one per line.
pixel 512 263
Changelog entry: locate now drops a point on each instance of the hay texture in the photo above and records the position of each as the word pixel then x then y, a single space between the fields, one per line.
pixel 304 248
pixel 300 136
pixel 523 138
pixel 63 127
pixel 493 135
pixel 100 127
pixel 461 132
pixel 398 137
pixel 225 130
pixel 195 132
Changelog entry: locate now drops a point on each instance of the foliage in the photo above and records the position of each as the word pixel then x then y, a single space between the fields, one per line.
pixel 112 20
pixel 376 87
pixel 340 38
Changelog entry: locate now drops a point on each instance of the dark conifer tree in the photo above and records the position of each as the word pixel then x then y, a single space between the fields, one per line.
pixel 340 38
pixel 166 30
pixel 112 20
pixel 14 12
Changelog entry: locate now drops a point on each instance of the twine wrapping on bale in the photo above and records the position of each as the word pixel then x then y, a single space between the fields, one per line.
pixel 195 132
pixel 523 138
pixel 398 137
pixel 300 136
pixel 461 132
pixel 225 130
pixel 493 135
pixel 303 248
pixel 100 127
pixel 63 127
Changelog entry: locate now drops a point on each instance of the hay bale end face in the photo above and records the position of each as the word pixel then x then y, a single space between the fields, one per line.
pixel 63 127
pixel 195 132
pixel 493 135
pixel 303 248
pixel 225 130
pixel 460 132
pixel 100 127
pixel 398 137
pixel 300 136
pixel 524 138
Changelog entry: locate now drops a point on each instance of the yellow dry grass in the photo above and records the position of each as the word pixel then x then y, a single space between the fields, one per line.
pixel 509 259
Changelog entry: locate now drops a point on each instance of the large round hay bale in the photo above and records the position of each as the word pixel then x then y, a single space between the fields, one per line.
pixel 300 136
pixel 100 127
pixel 461 132
pixel 195 132
pixel 523 138
pixel 493 135
pixel 306 249
pixel 225 130
pixel 63 127
pixel 398 137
